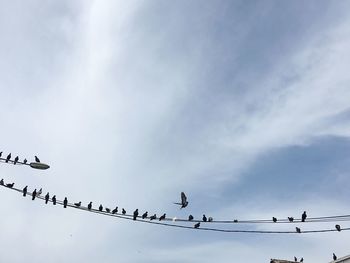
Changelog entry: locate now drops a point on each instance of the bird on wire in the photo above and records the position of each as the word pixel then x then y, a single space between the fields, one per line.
pixel 39 192
pixel 89 206
pixel 47 197
pixel 2 182
pixel 54 200
pixel 204 218
pixel 100 208
pixel 8 158
pixel 34 194
pixel 144 215
pixel 334 257
pixel 123 211
pixel 291 219
pixel 303 217
pixel 115 210
pixel 153 217
pixel 295 259
pixel 10 185
pixel 0 154
pixel 25 190
pixel 338 227
pixel 25 161
pixel 298 230
pixel 301 260
pixel 274 219
pixel 162 217
pixel 65 202
pixel 16 160
pixel 184 201
pixel 197 225
pixel 78 204
pixel 37 159
pixel 108 210
pixel 135 215
pixel 210 219
pixel 190 217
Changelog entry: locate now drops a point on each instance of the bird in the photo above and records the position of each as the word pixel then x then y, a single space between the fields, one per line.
pixel 135 215
pixel 291 219
pixel 100 208
pixel 184 201
pixel 301 260
pixel 115 210
pixel 39 192
pixel 34 194
pixel 153 217
pixel 334 257
pixel 54 200
pixel 338 227
pixel 78 204
pixel 197 225
pixel 162 217
pixel 16 160
pixel 25 161
pixel 89 206
pixel 2 182
pixel 295 259
pixel 190 217
pixel 108 210
pixel 123 211
pixel 303 217
pixel 10 185
pixel 37 159
pixel 204 218
pixel 25 189
pixel 298 230
pixel 8 158
pixel 47 196
pixel 65 202
pixel 144 215
pixel 274 219
pixel 0 154
pixel 210 219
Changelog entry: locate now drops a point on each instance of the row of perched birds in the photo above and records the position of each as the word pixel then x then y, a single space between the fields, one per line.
pixel 16 160
pixel 302 259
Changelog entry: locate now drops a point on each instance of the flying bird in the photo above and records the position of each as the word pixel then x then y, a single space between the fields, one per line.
pixel 37 159
pixel 190 217
pixel 78 204
pixel 197 225
pixel 47 197
pixel 16 160
pixel 338 227
pixel 144 215
pixel 54 200
pixel 25 189
pixel 204 218
pixel 123 211
pixel 274 219
pixel 108 210
pixel 100 208
pixel 25 161
pixel 135 215
pixel 89 206
pixel 8 158
pixel 115 210
pixel 153 217
pixel 291 219
pixel 162 217
pixel 334 257
pixel 184 201
pixel 65 202
pixel 298 230
pixel 10 185
pixel 303 217
pixel 34 194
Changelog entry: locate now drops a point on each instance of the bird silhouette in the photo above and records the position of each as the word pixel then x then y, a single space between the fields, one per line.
pixel 298 230
pixel 100 208
pixel 204 218
pixel 115 210
pixel 25 189
pixel 89 206
pixel 25 161
pixel 295 259
pixel 10 185
pixel 338 227
pixel 108 210
pixel 37 159
pixel 34 194
pixel 184 201
pixel 135 215
pixel 39 192
pixel 2 182
pixel 210 219
pixel 153 217
pixel 197 225
pixel 123 211
pixel 16 160
pixel 274 219
pixel 54 200
pixel 303 217
pixel 0 154
pixel 291 219
pixel 162 217
pixel 190 217
pixel 301 260
pixel 334 257
pixel 8 158
pixel 65 202
pixel 78 204
pixel 47 197
pixel 144 215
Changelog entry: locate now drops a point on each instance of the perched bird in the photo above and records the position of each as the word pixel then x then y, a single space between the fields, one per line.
pixel 334 257
pixel 16 160
pixel 190 217
pixel 37 159
pixel 123 211
pixel 291 219
pixel 197 225
pixel 272 261
pixel 25 161
pixel 298 230
pixel 100 208
pixel 274 219
pixel 54 200
pixel 10 185
pixel 108 210
pixel 115 210
pixel 89 206
pixel 8 158
pixel 303 217
pixel 295 259
pixel 153 217
pixel 184 202
pixel 204 218
pixel 338 227
pixel 2 182
pixel 135 215
pixel 210 219
pixel 65 202
pixel 39 192
pixel 162 217
pixel 78 204
pixel 47 197
pixel 34 194
pixel 235 221
pixel 144 215
pixel 25 189
pixel 0 154
pixel 301 260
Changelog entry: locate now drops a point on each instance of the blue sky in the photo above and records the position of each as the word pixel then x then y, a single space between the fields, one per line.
pixel 242 105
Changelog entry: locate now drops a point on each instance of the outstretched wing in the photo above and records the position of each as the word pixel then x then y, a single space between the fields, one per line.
pixel 183 198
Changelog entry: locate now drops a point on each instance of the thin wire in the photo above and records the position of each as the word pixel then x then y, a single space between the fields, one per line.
pixel 129 217
pixel 3 160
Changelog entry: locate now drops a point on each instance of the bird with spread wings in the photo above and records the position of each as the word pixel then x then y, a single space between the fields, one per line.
pixel 184 201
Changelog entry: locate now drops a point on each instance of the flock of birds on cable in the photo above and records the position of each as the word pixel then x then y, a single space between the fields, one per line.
pixel 16 160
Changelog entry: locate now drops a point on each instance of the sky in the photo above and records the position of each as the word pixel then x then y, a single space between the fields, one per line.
pixel 243 105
